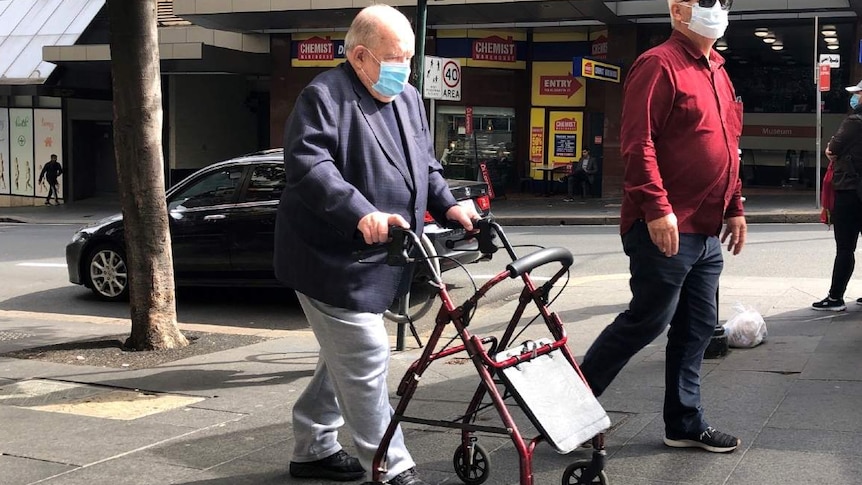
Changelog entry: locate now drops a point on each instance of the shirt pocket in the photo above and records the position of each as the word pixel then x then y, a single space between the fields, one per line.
pixel 734 119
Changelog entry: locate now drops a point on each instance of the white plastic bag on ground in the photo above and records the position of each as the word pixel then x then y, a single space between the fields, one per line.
pixel 746 328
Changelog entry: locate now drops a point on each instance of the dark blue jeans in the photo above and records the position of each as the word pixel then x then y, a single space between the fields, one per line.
pixel 678 291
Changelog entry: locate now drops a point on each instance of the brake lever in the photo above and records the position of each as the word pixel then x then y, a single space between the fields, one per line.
pixel 397 249
pixel 483 235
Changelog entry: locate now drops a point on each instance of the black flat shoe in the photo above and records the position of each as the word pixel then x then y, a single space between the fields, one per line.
pixel 339 467
pixel 407 477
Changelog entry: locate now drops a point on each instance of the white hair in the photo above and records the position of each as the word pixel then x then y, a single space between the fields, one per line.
pixel 366 26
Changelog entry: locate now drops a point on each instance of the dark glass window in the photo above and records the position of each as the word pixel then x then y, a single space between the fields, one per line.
pixel 778 77
pixel 267 182
pixel 215 188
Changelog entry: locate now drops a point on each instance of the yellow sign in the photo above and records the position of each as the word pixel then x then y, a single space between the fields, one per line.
pixel 581 66
pixel 565 137
pixel 537 137
pixel 554 85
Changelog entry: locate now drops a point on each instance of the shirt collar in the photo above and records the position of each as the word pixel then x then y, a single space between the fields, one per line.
pixel 716 60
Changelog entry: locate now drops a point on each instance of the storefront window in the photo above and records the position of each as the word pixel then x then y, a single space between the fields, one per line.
pixel 772 65
pixel 492 141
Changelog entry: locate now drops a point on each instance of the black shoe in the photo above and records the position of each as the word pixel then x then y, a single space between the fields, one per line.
pixel 407 477
pixel 339 467
pixel 710 440
pixel 859 301
pixel 47 202
pixel 829 305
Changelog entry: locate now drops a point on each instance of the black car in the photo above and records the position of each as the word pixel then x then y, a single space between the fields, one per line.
pixel 222 219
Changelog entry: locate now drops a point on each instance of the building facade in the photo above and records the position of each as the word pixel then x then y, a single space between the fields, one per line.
pixel 539 81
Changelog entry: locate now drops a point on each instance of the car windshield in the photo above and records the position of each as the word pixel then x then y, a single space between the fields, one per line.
pixel 214 188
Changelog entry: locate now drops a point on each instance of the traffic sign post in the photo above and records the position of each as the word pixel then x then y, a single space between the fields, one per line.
pixel 441 80
pixel 451 80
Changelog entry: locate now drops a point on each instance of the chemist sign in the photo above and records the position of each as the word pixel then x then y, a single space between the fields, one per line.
pixel 442 79
pixel 589 68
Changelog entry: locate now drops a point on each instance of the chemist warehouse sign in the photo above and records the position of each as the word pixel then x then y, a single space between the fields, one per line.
pixel 315 50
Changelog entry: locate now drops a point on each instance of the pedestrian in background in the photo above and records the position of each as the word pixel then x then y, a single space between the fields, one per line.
pixel 845 152
pixel 582 176
pixel 679 138
pixel 51 173
pixel 358 159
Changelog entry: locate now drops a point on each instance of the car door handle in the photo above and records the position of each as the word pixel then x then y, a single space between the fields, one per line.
pixel 215 217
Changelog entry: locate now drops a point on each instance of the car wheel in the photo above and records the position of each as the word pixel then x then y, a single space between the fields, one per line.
pixel 107 272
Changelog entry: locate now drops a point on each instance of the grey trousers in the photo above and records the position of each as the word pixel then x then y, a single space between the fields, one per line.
pixel 349 385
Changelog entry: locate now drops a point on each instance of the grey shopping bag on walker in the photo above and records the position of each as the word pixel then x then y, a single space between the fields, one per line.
pixel 553 396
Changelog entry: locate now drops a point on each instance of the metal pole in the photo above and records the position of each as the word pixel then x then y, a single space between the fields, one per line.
pixel 419 55
pixel 817 132
pixel 433 118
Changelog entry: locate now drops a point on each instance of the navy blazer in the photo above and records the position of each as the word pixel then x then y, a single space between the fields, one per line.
pixel 341 163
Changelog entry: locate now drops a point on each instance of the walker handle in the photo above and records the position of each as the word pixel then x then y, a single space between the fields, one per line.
pixel 538 258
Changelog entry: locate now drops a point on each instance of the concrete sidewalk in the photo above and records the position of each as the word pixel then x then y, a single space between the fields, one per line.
pixel 223 418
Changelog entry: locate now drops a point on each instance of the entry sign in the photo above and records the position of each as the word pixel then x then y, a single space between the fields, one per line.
pixel 589 68
pixel 442 79
pixel 825 77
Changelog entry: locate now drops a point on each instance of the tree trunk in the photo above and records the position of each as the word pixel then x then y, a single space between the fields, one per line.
pixel 138 148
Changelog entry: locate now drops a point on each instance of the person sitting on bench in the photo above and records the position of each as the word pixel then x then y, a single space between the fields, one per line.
pixel 583 172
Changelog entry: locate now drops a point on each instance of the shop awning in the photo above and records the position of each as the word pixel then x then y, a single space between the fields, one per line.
pixel 26 26
pixel 299 15
pixel 185 49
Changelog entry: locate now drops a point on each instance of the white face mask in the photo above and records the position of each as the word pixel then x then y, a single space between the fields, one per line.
pixel 708 22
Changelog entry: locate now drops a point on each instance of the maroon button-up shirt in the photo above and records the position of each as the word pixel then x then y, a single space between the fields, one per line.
pixel 679 139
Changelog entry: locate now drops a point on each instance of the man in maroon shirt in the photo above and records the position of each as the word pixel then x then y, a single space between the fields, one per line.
pixel 679 137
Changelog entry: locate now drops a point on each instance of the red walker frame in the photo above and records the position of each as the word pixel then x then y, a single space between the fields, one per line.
pixel 472 457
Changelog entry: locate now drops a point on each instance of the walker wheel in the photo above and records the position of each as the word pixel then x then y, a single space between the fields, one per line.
pixel 574 472
pixel 474 470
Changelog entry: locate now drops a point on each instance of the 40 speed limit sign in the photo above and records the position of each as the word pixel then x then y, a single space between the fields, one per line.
pixel 442 79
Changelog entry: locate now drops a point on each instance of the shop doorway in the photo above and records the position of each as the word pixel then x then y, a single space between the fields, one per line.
pixel 489 140
pixel 93 169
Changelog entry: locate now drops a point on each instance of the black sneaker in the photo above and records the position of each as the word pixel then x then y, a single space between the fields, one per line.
pixel 340 467
pixel 859 301
pixel 710 440
pixel 830 305
pixel 407 477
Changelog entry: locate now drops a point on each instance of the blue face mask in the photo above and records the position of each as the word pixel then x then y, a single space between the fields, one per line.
pixel 854 101
pixel 392 79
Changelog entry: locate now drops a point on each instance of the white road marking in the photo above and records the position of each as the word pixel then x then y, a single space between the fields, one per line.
pixel 42 265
